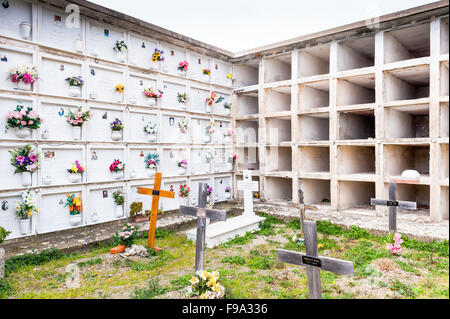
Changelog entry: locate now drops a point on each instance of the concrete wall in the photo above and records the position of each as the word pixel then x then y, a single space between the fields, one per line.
pixel 311 97
pixel 313 159
pixel 276 70
pixel 349 93
pixel 315 191
pixel 311 65
pixel 356 160
pixel 355 126
pixel 277 102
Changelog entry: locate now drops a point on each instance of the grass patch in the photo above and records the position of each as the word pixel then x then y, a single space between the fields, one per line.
pixel 181 282
pixel 90 262
pixel 153 289
pixel 236 260
pixel 15 263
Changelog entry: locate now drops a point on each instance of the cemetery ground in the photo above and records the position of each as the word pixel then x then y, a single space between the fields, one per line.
pixel 247 265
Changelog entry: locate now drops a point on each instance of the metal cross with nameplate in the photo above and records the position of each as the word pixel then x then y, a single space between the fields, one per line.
pixel 202 213
pixel 313 262
pixel 392 203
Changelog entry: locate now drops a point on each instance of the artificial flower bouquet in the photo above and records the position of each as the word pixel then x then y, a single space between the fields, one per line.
pixel 184 125
pixel 25 159
pixel 210 129
pixel 75 81
pixel 152 94
pixel 206 285
pixel 184 191
pixel 126 235
pixel 206 71
pixel 26 206
pixel 119 88
pixel 227 189
pixel 158 55
pixel 116 125
pixel 210 100
pixel 25 73
pixel 76 168
pixel 116 166
pixel 230 76
pixel 150 128
pixel 209 190
pixel 120 46
pixel 74 203
pixel 396 247
pixel 228 133
pixel 209 156
pixel 151 160
pixel 227 106
pixel 183 163
pixel 78 118
pixel 183 98
pixel 23 117
pixel 183 66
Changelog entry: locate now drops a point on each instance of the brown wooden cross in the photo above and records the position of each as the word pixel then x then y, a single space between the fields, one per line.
pixel 156 193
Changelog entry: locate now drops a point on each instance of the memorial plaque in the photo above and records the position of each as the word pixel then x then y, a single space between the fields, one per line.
pixel 312 261
pixel 14 59
pixel 136 86
pixel 11 18
pixel 141 50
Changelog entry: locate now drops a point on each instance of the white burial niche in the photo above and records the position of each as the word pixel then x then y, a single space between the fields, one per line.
pixel 203 130
pixel 144 161
pixel 246 73
pixel 137 85
pixel 135 197
pixel 55 71
pixel 223 132
pixel 101 39
pixel 172 92
pixel 176 128
pixel 169 204
pixel 15 181
pixel 17 20
pixel 100 158
pixel 140 50
pixel 175 161
pixel 9 103
pixel 202 160
pixel 102 207
pixel 198 96
pixel 98 128
pixel 223 188
pixel 193 196
pixel 103 82
pixel 146 126
pixel 13 57
pixel 223 159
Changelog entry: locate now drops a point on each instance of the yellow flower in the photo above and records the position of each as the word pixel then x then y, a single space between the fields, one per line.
pixel 194 280
pixel 203 296
pixel 30 212
pixel 229 75
pixel 37 210
pixel 74 169
pixel 320 246
pixel 158 53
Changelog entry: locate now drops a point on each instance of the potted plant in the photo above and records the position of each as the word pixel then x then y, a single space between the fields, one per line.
pixel 121 49
pixel 116 168
pixel 210 102
pixel 76 172
pixel 183 125
pixel 227 192
pixel 74 203
pixel 227 107
pixel 119 200
pixel 158 56
pixel 151 162
pixel 24 210
pixel 116 129
pixel 119 92
pixel 151 129
pixel 23 120
pixel 3 234
pixel 152 96
pixel 206 285
pixel 124 237
pixel 25 30
pixel 227 136
pixel 26 162
pixel 208 132
pixel 75 85
pixel 76 120
pixel 182 166
pixel 135 212
pixel 182 68
pixel 183 100
pixel 184 192
pixel 24 76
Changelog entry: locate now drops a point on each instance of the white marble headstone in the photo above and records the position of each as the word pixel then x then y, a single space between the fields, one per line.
pixel 248 186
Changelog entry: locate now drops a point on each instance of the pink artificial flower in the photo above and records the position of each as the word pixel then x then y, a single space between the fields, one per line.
pixel 20 159
pixel 17 115
pixel 15 78
pixel 30 122
pixel 33 114
pixel 27 78
pixel 23 122
pixel 33 158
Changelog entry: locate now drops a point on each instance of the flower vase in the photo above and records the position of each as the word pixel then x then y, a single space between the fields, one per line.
pixel 151 137
pixel 151 101
pixel 75 178
pixel 22 86
pixel 45 135
pixel 76 132
pixel 206 138
pixel 74 91
pixel 121 56
pixel 151 172
pixel 75 220
pixel 119 97
pixel 46 180
pixel 164 68
pixel 182 106
pixel 227 195
pixel 26 179
pixel 116 135
pixel 79 46
pixel 208 108
pixel 227 112
pixel 93 95
pixel 132 100
pixel 118 175
pixel 25 30
pixel 24 226
pixel 118 211
pixel 23 132
pixel 182 73
pixel 182 171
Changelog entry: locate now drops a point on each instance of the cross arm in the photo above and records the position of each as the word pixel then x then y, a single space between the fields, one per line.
pixel 337 266
pixel 151 191
pixel 397 203
pixel 209 213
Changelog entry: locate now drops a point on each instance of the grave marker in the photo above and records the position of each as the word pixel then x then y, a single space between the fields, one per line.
pixel 313 262
pixel 303 208
pixel 248 187
pixel 155 192
pixel 202 213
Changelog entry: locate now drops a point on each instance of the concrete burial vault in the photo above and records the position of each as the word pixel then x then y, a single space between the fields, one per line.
pixel 338 114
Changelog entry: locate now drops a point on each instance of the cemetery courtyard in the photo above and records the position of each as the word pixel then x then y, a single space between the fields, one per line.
pixel 247 265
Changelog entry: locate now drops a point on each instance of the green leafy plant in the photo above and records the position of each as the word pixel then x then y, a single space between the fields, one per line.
pixel 135 209
pixel 119 197
pixel 236 260
pixel 3 234
pixel 153 289
pixel 126 235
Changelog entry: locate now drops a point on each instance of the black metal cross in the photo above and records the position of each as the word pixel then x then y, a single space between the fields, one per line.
pixel 392 203
pixel 202 213
pixel 313 262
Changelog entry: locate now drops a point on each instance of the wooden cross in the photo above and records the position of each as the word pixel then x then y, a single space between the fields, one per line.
pixel 202 213
pixel 392 203
pixel 248 186
pixel 303 208
pixel 156 192
pixel 313 262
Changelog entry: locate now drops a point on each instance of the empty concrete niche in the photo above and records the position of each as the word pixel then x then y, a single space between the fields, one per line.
pixel 248 158
pixel 278 130
pixel 247 73
pixel 247 103
pixel 314 127
pixel 411 121
pixel 398 158
pixel 444 161
pixel 277 68
pixel 314 159
pixel 314 61
pixel 278 99
pixel 278 189
pixel 414 193
pixel 444 203
pixel 279 159
pixel 314 95
pixel 407 83
pixel 356 195
pixel 356 90
pixel 356 160
pixel 240 194
pixel 444 35
pixel 247 131
pixel 407 43
pixel 356 125
pixel 356 53
pixel 315 191
pixel 444 120
pixel 444 78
